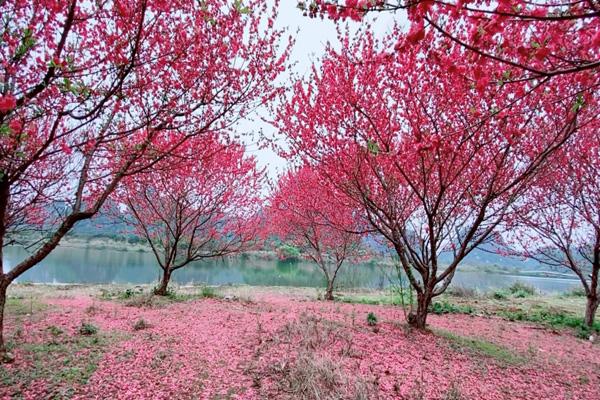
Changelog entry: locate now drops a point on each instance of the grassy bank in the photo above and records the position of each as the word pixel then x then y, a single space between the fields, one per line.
pixel 518 302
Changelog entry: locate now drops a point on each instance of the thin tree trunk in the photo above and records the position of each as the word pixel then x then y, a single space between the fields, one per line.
pixel 590 309
pixel 161 290
pixel 3 287
pixel 329 290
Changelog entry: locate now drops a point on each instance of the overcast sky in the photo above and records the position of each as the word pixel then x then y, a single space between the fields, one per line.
pixel 312 36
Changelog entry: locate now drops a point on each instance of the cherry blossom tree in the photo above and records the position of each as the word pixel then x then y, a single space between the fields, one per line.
pixel 204 206
pixel 307 211
pixel 434 159
pixel 92 92
pixel 532 40
pixel 558 222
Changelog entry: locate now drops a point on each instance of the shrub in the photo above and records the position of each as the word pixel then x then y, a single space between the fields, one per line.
pixel 371 319
pixel 445 307
pixel 288 252
pixel 207 292
pixel 500 295
pixel 127 294
pixel 583 332
pixel 87 329
pixel 520 289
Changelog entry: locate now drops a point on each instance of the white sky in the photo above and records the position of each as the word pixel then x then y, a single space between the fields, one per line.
pixel 312 37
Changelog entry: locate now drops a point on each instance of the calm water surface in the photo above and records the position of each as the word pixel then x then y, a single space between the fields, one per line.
pixel 76 265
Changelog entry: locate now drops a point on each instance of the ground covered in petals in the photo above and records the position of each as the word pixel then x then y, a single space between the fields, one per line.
pixel 71 344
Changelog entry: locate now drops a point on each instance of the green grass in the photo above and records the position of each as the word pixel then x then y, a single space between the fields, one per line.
pixel 137 297
pixel 208 292
pixel 483 348
pixel 445 307
pixel 555 319
pixel 63 361
pixel 125 294
pixel 575 292
pixel 518 290
pixel 23 306
pixel 391 297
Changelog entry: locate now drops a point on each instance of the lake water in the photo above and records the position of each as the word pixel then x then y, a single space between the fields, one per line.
pixel 77 265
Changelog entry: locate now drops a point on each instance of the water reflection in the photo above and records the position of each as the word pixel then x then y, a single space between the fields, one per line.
pixel 77 265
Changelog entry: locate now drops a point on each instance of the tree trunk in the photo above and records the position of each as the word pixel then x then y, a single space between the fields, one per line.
pixel 590 309
pixel 161 290
pixel 3 286
pixel 329 290
pixel 419 319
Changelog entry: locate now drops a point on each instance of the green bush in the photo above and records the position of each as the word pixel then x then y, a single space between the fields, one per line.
pixel 207 292
pixel 500 295
pixel 371 319
pixel 445 307
pixel 584 331
pixel 520 289
pixel 127 294
pixel 288 252
pixel 87 329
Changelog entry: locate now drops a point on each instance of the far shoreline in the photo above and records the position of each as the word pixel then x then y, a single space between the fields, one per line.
pixel 124 245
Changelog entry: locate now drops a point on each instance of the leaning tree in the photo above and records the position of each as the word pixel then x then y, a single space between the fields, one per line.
pixel 435 159
pixel 307 211
pixel 92 92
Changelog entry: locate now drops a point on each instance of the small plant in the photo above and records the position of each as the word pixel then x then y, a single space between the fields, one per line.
pixel 87 329
pixel 371 319
pixel 520 290
pixel 55 330
pixel 140 324
pixel 208 292
pixel 583 332
pixel 127 294
pixel 445 307
pixel 500 295
pixel 171 294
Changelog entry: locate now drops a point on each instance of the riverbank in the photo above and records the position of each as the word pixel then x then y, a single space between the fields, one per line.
pixel 117 341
